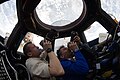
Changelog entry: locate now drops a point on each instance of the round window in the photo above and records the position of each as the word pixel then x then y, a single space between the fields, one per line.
pixel 59 12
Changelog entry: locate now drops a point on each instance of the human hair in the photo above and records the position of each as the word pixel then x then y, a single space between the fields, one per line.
pixel 58 52
pixel 26 49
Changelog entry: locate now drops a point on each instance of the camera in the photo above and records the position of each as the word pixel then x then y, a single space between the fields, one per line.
pixel 51 35
pixel 73 34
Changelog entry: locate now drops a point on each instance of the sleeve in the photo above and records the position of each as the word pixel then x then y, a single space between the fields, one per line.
pixel 79 66
pixel 38 68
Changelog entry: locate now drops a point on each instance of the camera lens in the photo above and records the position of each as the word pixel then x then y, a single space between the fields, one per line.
pixel 41 43
pixel 73 34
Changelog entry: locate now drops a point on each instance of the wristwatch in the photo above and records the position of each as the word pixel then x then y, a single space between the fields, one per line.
pixel 49 50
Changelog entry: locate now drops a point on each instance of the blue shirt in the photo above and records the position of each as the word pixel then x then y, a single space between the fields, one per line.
pixel 75 70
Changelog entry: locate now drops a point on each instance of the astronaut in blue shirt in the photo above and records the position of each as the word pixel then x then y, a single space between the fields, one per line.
pixel 73 62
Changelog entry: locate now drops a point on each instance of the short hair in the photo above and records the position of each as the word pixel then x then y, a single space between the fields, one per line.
pixel 26 49
pixel 58 51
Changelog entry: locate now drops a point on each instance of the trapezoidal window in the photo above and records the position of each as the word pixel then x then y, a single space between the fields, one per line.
pixel 112 8
pixel 61 42
pixel 8 17
pixel 30 37
pixel 94 31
